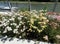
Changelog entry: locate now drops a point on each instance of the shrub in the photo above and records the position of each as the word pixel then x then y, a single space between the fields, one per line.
pixel 23 24
pixel 35 25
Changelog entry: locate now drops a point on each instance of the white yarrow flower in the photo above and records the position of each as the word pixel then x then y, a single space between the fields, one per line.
pixel 24 28
pixel 4 24
pixel 21 30
pixel 8 21
pixel 12 19
pixel 19 18
pixel 21 22
pixel 11 24
pixel 5 31
pixel 17 26
pixel 19 36
pixel 15 31
pixel 8 28
pixel 14 24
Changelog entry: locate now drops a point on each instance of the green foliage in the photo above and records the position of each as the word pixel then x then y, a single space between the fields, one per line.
pixel 24 9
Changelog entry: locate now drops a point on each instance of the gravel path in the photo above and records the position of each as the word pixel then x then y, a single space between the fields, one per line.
pixel 20 42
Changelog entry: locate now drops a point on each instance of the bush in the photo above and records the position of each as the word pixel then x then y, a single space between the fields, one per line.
pixel 22 24
pixel 33 25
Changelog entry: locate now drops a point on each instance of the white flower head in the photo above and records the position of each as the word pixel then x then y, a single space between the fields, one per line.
pixel 5 31
pixel 4 24
pixel 4 20
pixel 19 36
pixel 21 30
pixel 8 21
pixel 12 19
pixel 17 26
pixel 8 28
pixel 14 24
pixel 21 22
pixel 5 36
pixel 19 18
pixel 11 24
pixel 24 28
pixel 15 31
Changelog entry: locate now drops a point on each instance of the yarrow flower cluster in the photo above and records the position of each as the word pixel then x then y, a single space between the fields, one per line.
pixel 19 24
